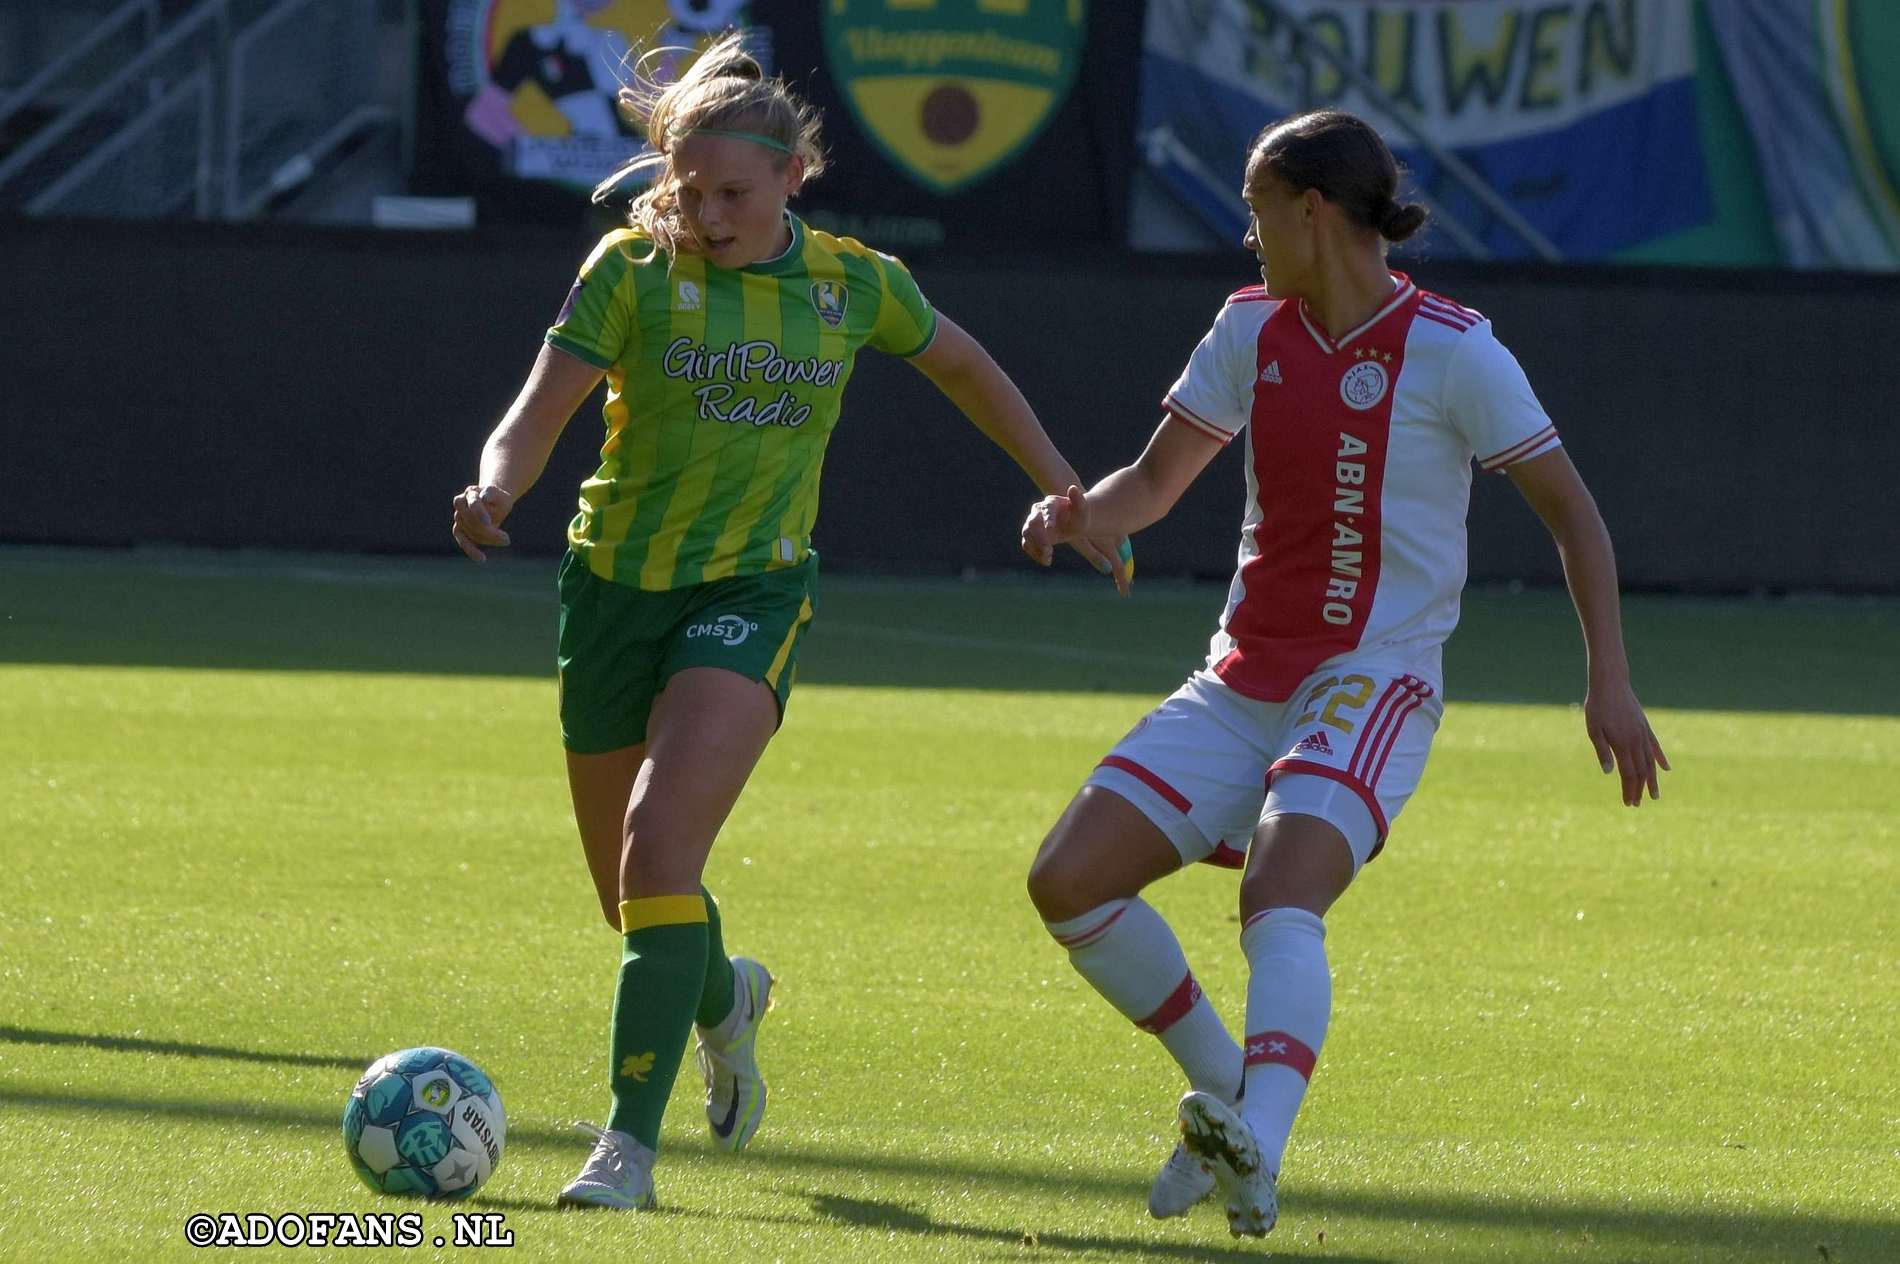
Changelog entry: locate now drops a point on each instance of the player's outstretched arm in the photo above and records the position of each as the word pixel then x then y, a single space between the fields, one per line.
pixel 1612 716
pixel 517 451
pixel 964 371
pixel 1131 498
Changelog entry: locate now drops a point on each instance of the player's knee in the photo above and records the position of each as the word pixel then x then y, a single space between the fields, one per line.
pixel 1056 883
pixel 1066 881
pixel 1260 891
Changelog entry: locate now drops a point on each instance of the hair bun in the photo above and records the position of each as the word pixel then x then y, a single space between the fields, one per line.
pixel 1399 220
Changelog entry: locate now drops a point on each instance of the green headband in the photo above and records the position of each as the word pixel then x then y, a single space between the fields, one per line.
pixel 754 137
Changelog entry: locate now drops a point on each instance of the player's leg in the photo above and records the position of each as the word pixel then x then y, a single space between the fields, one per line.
pixel 1329 805
pixel 732 999
pixel 1298 866
pixel 753 627
pixel 609 659
pixel 648 815
pixel 707 731
pixel 601 787
pixel 1167 794
pixel 611 642
pixel 709 728
pixel 1086 882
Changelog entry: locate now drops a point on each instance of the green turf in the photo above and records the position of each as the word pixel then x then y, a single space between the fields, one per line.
pixel 263 820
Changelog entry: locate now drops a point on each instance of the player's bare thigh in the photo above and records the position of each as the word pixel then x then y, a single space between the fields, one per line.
pixel 705 742
pixel 1295 861
pixel 709 727
pixel 1102 848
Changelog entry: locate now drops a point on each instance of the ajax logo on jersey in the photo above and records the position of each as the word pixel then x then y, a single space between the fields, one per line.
pixel 1364 385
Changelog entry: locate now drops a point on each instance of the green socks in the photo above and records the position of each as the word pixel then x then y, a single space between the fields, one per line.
pixel 662 978
pixel 715 1002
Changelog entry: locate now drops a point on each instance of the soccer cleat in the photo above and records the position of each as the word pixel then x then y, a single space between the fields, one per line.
pixel 735 1091
pixel 1182 1181
pixel 619 1174
pixel 1215 1134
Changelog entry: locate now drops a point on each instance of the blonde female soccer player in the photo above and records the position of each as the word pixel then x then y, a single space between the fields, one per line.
pixel 726 328
pixel 1364 400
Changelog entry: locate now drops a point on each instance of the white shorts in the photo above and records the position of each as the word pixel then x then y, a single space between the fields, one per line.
pixel 1208 765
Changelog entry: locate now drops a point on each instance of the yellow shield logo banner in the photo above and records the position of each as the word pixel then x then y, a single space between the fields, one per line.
pixel 950 89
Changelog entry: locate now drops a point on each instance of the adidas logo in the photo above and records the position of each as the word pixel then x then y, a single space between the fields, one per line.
pixel 1316 743
pixel 1271 373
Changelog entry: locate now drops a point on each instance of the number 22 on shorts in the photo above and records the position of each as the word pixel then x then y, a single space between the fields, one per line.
pixel 1348 693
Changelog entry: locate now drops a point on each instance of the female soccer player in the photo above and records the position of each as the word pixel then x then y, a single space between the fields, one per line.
pixel 1308 728
pixel 726 329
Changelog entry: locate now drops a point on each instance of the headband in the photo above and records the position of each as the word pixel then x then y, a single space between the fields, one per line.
pixel 754 137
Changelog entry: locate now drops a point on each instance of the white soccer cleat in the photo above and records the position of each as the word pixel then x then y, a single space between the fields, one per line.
pixel 618 1174
pixel 1220 1138
pixel 1182 1181
pixel 735 1091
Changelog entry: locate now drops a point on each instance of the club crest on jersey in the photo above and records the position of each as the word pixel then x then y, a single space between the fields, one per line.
pixel 1364 385
pixel 828 299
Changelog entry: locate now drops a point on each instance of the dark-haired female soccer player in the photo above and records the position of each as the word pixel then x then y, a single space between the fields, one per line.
pixel 1365 400
pixel 726 329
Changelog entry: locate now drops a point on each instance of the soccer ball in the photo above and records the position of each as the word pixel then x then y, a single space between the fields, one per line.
pixel 424 1121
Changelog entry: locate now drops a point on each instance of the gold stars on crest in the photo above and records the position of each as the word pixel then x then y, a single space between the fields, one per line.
pixel 1371 353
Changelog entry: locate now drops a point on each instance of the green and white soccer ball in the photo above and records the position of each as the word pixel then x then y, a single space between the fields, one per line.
pixel 425 1122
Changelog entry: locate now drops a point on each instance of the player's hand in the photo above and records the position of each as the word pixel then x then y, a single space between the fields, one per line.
pixel 479 512
pixel 1112 557
pixel 1053 520
pixel 1063 519
pixel 1623 739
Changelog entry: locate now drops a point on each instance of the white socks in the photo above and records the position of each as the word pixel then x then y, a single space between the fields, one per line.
pixel 1289 999
pixel 1128 953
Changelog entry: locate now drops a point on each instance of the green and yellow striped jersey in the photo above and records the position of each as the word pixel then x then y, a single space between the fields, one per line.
pixel 723 386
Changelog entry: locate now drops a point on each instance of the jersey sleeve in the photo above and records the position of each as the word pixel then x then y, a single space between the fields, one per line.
pixel 906 322
pixel 1214 393
pixel 596 321
pixel 1489 401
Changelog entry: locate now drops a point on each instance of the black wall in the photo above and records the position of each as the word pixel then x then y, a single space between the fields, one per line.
pixel 265 386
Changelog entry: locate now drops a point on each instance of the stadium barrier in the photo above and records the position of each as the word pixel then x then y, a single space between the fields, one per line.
pixel 271 386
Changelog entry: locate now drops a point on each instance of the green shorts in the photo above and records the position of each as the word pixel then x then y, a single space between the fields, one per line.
pixel 620 645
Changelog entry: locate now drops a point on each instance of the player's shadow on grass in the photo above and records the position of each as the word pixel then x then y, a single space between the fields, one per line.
pixel 888 1217
pixel 177 1048
pixel 249 1113
pixel 1709 1231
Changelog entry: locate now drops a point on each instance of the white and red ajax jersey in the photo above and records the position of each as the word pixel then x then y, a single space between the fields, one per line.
pixel 1359 459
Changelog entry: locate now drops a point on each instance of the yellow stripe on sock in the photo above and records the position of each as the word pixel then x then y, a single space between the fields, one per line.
pixel 785 650
pixel 661 910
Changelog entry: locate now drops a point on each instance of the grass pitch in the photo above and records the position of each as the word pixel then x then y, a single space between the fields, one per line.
pixel 262 820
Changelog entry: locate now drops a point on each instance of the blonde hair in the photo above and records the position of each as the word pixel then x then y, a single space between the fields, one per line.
pixel 725 89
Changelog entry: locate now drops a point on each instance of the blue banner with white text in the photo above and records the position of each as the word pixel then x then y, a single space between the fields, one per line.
pixel 1580 115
